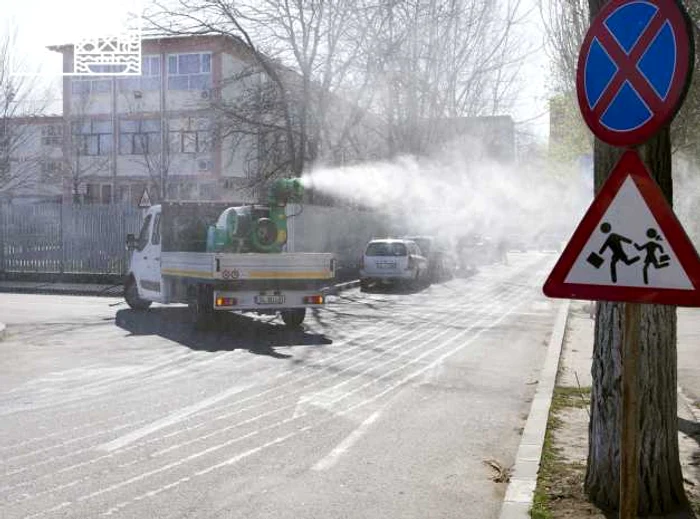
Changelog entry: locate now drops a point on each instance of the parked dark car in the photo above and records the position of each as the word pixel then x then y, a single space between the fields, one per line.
pixel 441 263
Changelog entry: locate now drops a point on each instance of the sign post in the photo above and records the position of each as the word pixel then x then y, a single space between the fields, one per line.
pixel 629 447
pixel 634 69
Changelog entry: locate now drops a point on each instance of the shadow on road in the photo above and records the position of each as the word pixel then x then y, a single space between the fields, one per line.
pixel 394 289
pixel 229 332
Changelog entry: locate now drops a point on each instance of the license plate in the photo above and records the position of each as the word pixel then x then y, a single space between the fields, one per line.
pixel 386 265
pixel 269 300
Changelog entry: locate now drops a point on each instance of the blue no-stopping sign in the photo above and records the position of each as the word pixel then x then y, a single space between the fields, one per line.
pixel 634 69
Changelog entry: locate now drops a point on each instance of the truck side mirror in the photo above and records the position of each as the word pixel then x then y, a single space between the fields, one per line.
pixel 130 242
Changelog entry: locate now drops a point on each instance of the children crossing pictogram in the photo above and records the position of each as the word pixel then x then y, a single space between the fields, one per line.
pixel 629 246
pixel 614 242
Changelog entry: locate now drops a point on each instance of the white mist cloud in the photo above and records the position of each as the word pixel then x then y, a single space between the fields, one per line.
pixel 453 196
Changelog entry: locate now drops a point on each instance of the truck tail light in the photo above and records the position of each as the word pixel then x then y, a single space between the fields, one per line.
pixel 226 301
pixel 313 300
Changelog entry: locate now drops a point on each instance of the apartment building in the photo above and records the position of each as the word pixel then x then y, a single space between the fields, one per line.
pixel 157 130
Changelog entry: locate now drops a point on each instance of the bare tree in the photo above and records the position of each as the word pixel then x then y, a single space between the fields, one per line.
pixel 297 55
pixel 21 99
pixel 80 165
pixel 145 141
pixel 444 59
pixel 565 23
pixel 330 79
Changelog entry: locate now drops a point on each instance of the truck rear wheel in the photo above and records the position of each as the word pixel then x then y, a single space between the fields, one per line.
pixel 131 295
pixel 293 317
pixel 201 305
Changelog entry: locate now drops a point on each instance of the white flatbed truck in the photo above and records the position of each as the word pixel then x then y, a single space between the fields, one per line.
pixel 169 264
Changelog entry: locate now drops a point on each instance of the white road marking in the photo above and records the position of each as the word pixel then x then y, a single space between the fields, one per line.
pixel 334 456
pixel 411 376
pixel 170 420
pixel 304 429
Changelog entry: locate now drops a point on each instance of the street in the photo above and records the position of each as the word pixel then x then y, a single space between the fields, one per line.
pixel 386 404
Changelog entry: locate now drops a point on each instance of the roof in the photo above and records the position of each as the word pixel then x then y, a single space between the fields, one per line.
pixel 160 38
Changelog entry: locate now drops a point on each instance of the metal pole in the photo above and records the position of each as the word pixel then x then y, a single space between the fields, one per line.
pixel 61 238
pixel 629 434
pixel 2 239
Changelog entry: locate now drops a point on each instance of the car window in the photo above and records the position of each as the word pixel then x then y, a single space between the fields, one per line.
pixel 386 249
pixel 143 235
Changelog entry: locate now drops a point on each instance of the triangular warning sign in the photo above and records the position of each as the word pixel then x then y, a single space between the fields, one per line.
pixel 145 200
pixel 629 246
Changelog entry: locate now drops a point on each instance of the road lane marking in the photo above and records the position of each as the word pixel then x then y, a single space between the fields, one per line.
pixel 486 314
pixel 171 419
pixel 334 456
pixel 278 440
pixel 462 303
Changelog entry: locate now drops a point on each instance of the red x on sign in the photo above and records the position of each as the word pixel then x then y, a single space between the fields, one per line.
pixel 634 68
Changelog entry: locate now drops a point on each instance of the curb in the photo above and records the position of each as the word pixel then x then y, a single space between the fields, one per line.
pixel 48 289
pixel 521 489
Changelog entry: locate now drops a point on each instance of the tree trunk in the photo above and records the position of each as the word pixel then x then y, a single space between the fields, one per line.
pixel 660 480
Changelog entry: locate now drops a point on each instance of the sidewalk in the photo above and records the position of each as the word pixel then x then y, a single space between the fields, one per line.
pixel 563 463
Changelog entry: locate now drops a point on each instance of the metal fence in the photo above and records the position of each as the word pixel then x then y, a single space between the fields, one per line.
pixel 68 239
pixel 90 239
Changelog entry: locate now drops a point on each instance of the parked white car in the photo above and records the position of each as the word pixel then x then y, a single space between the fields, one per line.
pixel 392 261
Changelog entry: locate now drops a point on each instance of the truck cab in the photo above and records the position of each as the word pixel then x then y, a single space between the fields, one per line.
pixel 144 282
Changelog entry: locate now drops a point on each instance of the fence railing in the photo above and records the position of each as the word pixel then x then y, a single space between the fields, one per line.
pixel 66 239
pixel 90 239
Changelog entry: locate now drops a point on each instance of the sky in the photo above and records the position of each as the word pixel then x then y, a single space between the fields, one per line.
pixel 64 21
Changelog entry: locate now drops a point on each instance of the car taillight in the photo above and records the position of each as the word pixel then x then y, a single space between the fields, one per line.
pixel 313 300
pixel 226 301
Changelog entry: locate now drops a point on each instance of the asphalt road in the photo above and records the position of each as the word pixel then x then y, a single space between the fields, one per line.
pixel 385 406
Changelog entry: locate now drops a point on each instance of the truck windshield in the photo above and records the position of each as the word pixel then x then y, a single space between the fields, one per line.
pixel 386 249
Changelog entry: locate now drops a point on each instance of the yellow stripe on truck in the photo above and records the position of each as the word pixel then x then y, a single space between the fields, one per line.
pixel 262 274
pixel 187 273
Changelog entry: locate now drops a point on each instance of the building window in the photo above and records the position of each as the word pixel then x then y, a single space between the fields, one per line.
pixel 189 71
pixel 93 137
pixel 208 192
pixel 98 194
pixel 190 141
pixel 139 137
pixel 106 194
pixel 149 78
pixel 90 84
pixel 51 168
pixel 92 193
pixel 195 138
pixel 52 135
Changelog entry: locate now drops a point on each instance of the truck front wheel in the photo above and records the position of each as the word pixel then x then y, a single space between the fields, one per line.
pixel 293 317
pixel 131 294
